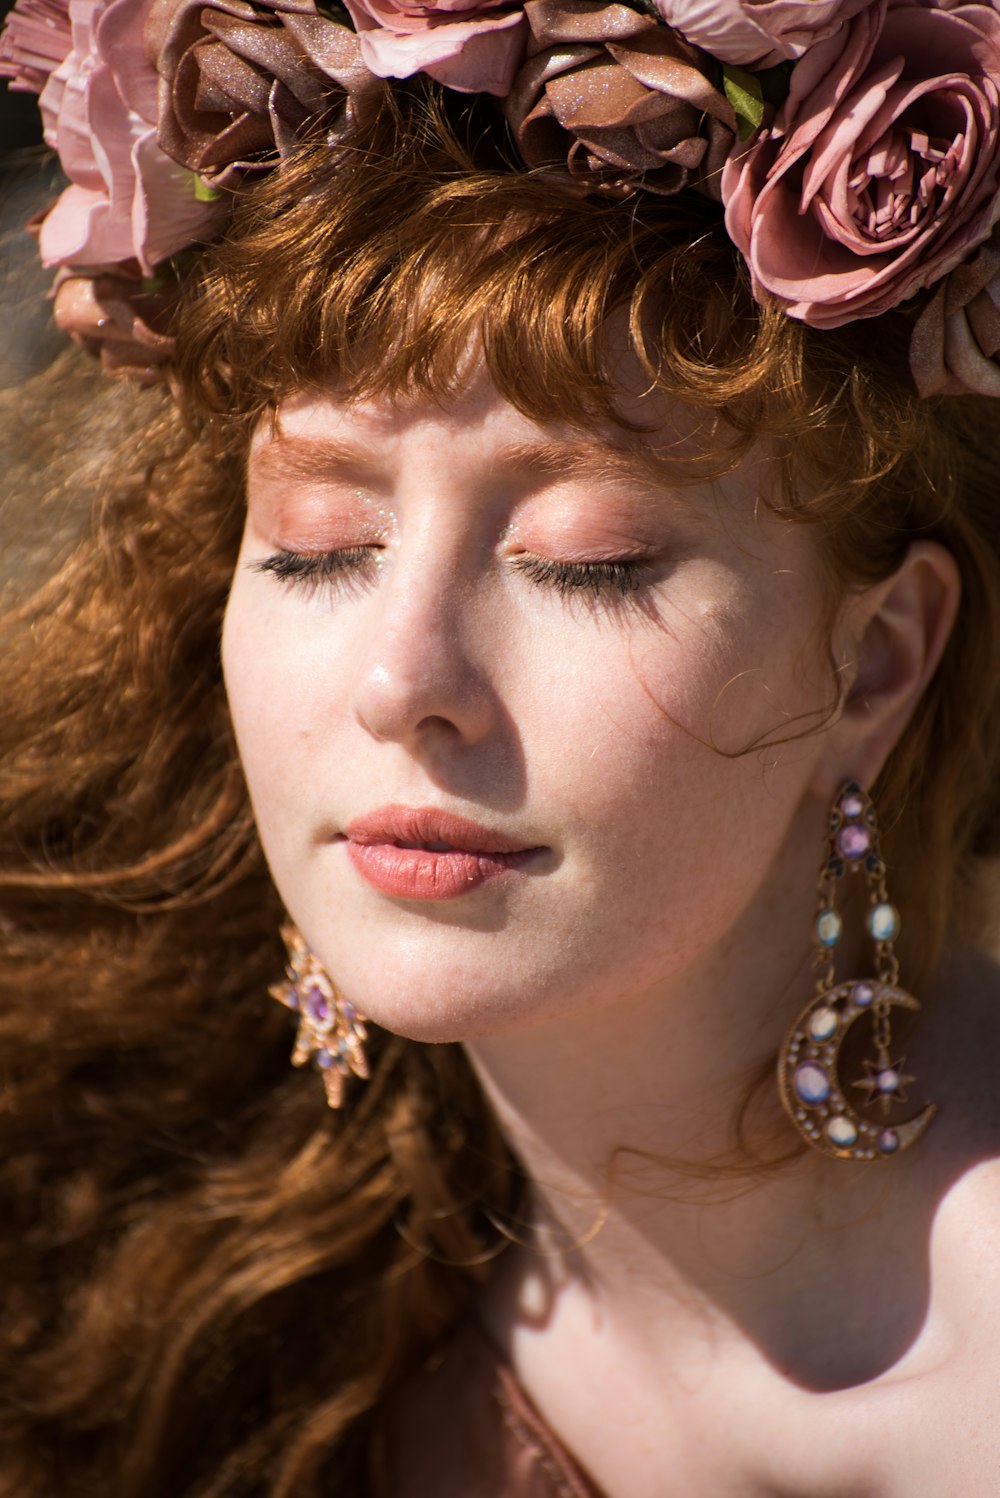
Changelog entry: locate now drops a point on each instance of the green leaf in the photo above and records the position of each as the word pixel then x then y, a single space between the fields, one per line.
pixel 746 96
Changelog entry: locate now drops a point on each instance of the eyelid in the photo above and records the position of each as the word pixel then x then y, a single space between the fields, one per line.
pixel 621 576
pixel 313 568
pixel 611 577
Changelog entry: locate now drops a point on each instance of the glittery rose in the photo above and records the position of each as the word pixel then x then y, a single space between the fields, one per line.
pixel 618 100
pixel 757 33
pixel 881 171
pixel 472 48
pixel 955 347
pixel 126 200
pixel 242 79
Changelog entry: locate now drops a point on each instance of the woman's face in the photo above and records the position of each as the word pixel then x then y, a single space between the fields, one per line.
pixel 491 681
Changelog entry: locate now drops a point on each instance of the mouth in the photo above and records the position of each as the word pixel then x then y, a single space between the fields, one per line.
pixel 424 853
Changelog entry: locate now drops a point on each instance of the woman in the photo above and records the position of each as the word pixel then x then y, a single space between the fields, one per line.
pixel 610 661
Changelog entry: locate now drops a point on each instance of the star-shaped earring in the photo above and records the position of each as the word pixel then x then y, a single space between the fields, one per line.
pixel 884 1080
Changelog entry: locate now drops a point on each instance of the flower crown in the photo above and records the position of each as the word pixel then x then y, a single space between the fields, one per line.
pixel 854 144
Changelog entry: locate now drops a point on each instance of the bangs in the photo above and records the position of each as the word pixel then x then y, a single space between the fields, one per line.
pixel 378 270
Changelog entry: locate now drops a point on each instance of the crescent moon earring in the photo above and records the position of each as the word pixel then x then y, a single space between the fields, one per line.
pixel 809 1084
pixel 331 1031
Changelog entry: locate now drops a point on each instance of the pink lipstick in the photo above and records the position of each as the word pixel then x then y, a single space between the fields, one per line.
pixel 421 853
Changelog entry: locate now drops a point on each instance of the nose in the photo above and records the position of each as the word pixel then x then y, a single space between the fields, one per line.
pixel 423 668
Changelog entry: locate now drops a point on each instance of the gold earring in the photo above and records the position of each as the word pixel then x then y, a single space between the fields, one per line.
pixel 808 1083
pixel 331 1030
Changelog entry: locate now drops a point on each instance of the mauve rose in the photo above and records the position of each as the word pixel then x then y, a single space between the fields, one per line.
pixel 34 41
pixel 881 171
pixel 618 100
pixel 242 79
pixel 956 340
pixel 757 33
pixel 472 48
pixel 126 200
pixel 113 318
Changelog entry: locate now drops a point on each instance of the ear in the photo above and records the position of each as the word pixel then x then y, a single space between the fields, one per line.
pixel 890 638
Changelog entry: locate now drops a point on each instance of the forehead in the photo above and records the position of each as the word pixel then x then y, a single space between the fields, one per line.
pixel 313 434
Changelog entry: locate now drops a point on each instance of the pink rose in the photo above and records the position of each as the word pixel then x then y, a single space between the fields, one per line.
pixel 881 171
pixel 126 200
pixel 34 41
pixel 473 48
pixel 956 341
pixel 114 319
pixel 757 33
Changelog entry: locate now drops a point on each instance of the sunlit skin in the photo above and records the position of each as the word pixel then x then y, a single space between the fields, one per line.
pixel 447 665
pixel 454 607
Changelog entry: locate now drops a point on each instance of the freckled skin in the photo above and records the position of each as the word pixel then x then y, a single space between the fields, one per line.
pixel 443 675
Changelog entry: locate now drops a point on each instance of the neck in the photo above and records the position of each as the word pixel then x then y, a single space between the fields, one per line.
pixel 626 1123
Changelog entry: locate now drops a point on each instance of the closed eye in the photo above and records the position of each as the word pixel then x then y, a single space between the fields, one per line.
pixel 619 576
pixel 310 569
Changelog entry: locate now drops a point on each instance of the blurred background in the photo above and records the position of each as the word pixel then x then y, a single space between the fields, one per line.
pixel 60 421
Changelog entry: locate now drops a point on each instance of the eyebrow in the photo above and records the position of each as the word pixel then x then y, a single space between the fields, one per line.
pixel 601 461
pixel 313 459
pixel 310 459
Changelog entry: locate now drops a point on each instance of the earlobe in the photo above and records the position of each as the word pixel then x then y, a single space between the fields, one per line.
pixel 897 630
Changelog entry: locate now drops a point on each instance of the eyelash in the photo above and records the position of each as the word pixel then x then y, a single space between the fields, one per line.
pixel 619 577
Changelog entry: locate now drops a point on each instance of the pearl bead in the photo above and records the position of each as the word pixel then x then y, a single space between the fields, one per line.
pixel 824 1023
pixel 841 1132
pixel 828 928
pixel 812 1083
pixel 883 921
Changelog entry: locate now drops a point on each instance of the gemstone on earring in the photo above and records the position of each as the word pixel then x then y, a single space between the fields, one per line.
pixel 854 840
pixel 812 1084
pixel 888 1080
pixel 828 928
pixel 841 1131
pixel 852 805
pixel 883 921
pixel 862 995
pixel 888 1141
pixel 317 1007
pixel 824 1023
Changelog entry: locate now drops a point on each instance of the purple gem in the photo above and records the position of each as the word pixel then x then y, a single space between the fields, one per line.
pixel 324 1059
pixel 854 840
pixel 349 1011
pixel 888 1141
pixel 317 1005
pixel 888 1080
pixel 852 806
pixel 812 1084
pixel 862 994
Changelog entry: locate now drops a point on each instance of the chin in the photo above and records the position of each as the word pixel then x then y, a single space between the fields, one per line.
pixel 433 1022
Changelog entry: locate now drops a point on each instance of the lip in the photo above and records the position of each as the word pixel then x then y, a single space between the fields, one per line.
pixel 474 855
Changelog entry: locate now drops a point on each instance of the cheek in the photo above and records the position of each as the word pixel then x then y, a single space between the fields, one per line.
pixel 664 756
pixel 271 687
